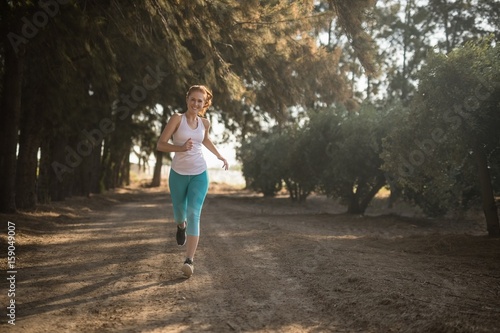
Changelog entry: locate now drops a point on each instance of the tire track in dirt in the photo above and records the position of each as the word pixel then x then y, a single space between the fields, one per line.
pixel 251 290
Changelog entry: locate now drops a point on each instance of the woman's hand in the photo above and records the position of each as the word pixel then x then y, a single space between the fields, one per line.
pixel 188 145
pixel 225 165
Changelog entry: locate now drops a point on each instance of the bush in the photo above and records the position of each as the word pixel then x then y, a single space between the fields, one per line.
pixel 262 164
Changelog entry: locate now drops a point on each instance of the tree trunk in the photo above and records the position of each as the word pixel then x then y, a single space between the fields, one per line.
pixel 303 194
pixel 156 181
pixel 291 188
pixel 119 166
pixel 395 193
pixel 57 185
pixel 82 177
pixel 43 182
pixel 379 182
pixel 358 203
pixel 10 110
pixel 29 142
pixel 26 174
pixel 125 170
pixel 489 207
pixel 353 205
pixel 95 157
pixel 106 166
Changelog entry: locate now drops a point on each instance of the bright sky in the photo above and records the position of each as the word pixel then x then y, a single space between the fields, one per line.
pixel 227 149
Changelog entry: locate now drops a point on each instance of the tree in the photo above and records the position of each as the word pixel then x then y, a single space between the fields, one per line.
pixel 298 177
pixel 334 152
pixel 245 51
pixel 263 163
pixel 347 162
pixel 405 32
pixel 454 121
pixel 10 101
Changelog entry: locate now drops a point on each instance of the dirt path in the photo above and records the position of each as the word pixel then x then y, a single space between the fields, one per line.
pixel 110 264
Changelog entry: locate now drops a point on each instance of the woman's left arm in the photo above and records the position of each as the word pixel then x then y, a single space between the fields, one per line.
pixel 210 146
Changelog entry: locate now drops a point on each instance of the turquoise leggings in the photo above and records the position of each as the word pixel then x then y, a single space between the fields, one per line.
pixel 188 194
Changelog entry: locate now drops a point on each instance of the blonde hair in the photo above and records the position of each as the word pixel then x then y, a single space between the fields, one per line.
pixel 208 97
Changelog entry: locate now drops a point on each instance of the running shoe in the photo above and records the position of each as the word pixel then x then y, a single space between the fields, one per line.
pixel 188 267
pixel 181 236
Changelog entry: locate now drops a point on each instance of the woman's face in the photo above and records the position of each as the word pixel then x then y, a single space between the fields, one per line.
pixel 196 101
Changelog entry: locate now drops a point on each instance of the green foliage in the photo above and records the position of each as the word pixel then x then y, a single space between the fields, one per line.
pixel 262 59
pixel 405 32
pixel 300 178
pixel 453 118
pixel 83 64
pixel 263 162
pixel 316 144
pixel 335 152
pixel 351 170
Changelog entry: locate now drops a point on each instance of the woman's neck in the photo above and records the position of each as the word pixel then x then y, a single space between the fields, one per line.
pixel 190 115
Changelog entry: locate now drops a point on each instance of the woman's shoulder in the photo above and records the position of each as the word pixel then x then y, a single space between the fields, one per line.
pixel 206 122
pixel 176 117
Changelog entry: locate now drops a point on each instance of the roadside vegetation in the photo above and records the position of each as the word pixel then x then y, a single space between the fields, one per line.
pixel 341 98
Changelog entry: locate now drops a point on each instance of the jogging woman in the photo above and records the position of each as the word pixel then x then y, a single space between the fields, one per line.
pixel 188 179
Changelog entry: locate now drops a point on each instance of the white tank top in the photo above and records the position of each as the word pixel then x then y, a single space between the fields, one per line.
pixel 189 162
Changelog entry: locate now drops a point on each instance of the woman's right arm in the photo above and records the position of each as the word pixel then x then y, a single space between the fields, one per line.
pixel 169 130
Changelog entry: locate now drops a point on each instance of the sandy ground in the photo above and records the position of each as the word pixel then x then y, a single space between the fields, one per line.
pixel 110 264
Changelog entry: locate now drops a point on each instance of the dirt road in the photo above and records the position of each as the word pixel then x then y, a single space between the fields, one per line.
pixel 111 264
